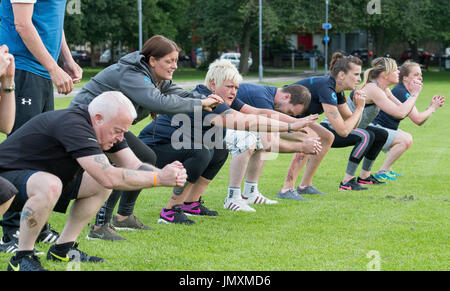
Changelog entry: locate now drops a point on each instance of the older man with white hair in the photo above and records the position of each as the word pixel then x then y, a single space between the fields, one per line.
pixel 63 155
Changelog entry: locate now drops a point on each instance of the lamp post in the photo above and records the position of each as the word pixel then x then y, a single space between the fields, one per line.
pixel 140 23
pixel 260 43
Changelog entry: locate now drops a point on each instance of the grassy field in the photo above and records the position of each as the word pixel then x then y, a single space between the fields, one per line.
pixel 403 225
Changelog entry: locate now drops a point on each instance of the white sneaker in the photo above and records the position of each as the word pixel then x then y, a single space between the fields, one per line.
pixel 237 204
pixel 258 198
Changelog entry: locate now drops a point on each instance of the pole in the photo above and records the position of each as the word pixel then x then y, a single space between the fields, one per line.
pixel 326 35
pixel 140 23
pixel 260 43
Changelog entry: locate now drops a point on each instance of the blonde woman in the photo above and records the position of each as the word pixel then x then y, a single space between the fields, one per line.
pixel 375 86
pixel 399 141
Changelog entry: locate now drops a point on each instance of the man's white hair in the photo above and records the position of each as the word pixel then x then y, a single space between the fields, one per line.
pixel 220 71
pixel 109 103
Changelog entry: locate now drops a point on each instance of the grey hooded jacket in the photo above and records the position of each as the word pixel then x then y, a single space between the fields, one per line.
pixel 132 76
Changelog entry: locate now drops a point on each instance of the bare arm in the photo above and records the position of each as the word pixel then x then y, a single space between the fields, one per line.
pixel 111 177
pixel 7 99
pixel 23 13
pixel 247 109
pixel 70 66
pixel 419 118
pixel 341 126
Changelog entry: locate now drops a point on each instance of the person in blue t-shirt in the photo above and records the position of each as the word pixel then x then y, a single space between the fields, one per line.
pixel 33 31
pixel 327 96
pixel 399 141
pixel 197 140
pixel 248 149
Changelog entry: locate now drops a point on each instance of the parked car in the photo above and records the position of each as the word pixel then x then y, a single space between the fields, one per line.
pixel 81 57
pixel 235 59
pixel 307 54
pixel 298 55
pixel 363 54
pixel 423 57
pixel 106 57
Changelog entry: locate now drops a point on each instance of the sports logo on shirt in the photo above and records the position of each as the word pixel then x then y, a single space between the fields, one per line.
pixel 147 80
pixel 334 97
pixel 25 101
pixel 407 95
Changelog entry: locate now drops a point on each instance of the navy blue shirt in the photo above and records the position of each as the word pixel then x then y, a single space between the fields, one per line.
pixel 258 96
pixel 401 93
pixel 323 90
pixel 188 129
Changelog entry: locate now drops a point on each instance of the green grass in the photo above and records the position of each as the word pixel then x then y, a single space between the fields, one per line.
pixel 406 222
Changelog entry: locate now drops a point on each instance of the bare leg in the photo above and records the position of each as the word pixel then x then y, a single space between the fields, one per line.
pixel 91 197
pixel 401 143
pixel 198 189
pixel 179 199
pixel 43 191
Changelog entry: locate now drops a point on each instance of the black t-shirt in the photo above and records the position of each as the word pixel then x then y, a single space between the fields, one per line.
pixel 401 93
pixel 51 142
pixel 323 90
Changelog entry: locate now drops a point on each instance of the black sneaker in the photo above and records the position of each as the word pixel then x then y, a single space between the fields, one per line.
pixel 27 263
pixel 48 235
pixel 73 254
pixel 10 244
pixel 174 215
pixel 198 209
pixel 369 180
pixel 351 185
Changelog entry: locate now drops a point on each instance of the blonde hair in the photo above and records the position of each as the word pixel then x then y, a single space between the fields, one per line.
pixel 109 104
pixel 379 65
pixel 220 71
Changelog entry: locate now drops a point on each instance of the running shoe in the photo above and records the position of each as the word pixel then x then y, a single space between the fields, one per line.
pixel 198 209
pixel 258 198
pixel 237 204
pixel 175 215
pixel 290 194
pixel 309 190
pixel 351 185
pixel 73 254
pixel 392 173
pixel 129 223
pixel 105 232
pixel 27 263
pixel 48 235
pixel 369 180
pixel 383 175
pixel 10 244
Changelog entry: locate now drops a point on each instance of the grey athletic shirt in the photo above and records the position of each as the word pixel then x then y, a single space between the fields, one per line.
pixel 132 76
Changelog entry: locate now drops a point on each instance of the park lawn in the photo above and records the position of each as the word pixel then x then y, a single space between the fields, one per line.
pixel 403 225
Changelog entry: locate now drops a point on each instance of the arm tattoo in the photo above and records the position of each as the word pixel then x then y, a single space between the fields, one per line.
pixel 101 159
pixel 28 216
pixel 145 167
pixel 334 114
pixel 126 173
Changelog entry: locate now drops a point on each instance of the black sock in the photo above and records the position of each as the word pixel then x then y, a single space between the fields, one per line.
pixel 64 247
pixel 22 254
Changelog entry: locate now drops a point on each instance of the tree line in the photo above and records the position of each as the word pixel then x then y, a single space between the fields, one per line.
pixel 221 25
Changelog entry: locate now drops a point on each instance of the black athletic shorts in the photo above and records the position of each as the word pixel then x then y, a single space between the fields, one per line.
pixel 19 179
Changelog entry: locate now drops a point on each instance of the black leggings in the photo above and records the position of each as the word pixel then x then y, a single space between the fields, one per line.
pixel 197 162
pixel 367 143
pixel 127 198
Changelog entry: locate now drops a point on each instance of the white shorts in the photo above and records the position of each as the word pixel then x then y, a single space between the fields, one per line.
pixel 239 141
pixel 392 134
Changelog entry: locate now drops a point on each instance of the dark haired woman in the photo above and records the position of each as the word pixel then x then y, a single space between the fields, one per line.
pixel 146 78
pixel 327 95
pixel 377 79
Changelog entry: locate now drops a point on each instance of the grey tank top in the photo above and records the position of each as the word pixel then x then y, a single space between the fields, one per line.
pixel 369 113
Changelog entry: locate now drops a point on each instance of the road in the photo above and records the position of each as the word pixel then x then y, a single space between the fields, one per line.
pixel 191 85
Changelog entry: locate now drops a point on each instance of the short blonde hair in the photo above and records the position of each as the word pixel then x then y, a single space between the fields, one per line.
pixel 109 104
pixel 220 71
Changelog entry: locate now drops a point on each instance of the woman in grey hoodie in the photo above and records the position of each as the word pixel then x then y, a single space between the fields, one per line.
pixel 146 78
